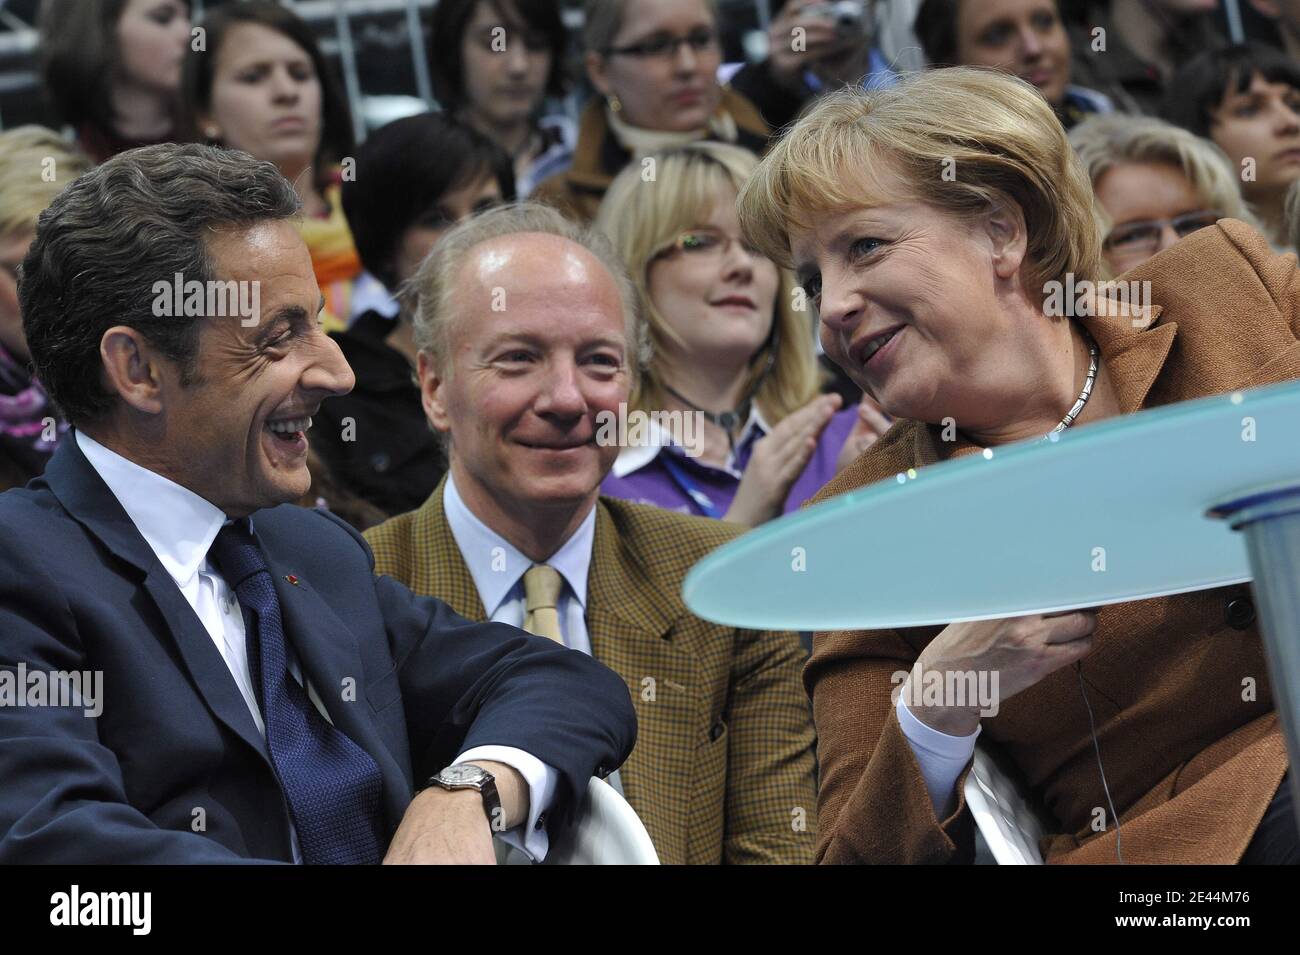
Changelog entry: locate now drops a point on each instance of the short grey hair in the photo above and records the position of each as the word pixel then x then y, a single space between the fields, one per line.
pixel 430 294
pixel 1104 141
pixel 143 216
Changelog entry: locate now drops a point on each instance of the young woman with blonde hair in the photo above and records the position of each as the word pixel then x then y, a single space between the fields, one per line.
pixel 732 343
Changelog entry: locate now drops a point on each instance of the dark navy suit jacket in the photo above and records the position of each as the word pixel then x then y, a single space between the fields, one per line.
pixel 175 770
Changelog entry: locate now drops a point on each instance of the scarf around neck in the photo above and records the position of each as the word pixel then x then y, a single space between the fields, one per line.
pixel 642 142
pixel 24 408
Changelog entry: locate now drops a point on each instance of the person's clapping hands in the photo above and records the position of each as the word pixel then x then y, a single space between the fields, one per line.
pixel 870 426
pixel 778 460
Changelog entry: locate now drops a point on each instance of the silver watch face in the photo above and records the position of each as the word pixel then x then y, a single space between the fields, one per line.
pixel 462 775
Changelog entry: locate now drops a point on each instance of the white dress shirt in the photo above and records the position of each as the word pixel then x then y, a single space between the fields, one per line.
pixel 634 457
pixel 940 756
pixel 370 295
pixel 179 526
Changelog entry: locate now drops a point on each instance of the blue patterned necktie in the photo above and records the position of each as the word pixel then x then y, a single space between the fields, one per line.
pixel 332 785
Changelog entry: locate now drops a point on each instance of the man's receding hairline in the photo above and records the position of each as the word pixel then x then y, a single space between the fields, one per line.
pixel 455 303
pixel 473 251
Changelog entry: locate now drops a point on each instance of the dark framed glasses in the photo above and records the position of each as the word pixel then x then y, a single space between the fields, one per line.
pixel 1144 237
pixel 663 46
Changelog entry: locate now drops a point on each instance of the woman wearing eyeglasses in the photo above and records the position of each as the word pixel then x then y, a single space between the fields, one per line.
pixel 655 65
pixel 1154 183
pixel 730 348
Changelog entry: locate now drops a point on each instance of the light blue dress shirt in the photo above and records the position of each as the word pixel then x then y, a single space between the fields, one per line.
pixel 498 567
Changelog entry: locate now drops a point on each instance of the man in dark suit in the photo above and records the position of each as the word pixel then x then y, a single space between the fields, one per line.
pixel 264 695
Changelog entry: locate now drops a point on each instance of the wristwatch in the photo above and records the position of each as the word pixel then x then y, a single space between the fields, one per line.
pixel 469 776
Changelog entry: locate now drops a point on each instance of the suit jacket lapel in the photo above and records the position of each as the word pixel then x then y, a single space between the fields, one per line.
pixel 615 581
pixel 631 630
pixel 204 661
pixel 87 498
pixel 439 569
pixel 1134 355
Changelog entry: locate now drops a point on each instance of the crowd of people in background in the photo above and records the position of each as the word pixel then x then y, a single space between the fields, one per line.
pixel 1175 126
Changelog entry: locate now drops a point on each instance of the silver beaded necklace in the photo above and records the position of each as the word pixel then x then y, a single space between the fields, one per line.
pixel 1073 413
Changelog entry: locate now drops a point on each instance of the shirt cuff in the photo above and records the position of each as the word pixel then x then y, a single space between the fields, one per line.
pixel 940 756
pixel 541 780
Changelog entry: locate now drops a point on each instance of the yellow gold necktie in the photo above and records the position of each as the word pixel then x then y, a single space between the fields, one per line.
pixel 542 585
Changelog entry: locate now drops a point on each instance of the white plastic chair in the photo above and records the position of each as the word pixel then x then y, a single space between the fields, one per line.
pixel 1006 819
pixel 607 832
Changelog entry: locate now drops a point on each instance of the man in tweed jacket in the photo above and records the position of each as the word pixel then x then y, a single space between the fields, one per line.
pixel 723 767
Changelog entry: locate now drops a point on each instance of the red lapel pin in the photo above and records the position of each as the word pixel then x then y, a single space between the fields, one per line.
pixel 292 579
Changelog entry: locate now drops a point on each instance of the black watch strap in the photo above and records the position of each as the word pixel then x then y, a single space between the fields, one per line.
pixel 469 776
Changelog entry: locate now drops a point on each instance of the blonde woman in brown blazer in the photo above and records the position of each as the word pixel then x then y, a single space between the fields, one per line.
pixel 942 211
pixel 722 771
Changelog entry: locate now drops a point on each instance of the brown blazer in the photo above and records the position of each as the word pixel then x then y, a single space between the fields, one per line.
pixel 598 156
pixel 723 765
pixel 1191 764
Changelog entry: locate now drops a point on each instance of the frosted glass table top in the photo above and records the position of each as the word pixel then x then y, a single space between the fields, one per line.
pixel 1107 513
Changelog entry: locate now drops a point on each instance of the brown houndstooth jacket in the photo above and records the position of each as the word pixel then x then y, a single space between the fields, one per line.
pixel 723 766
pixel 1192 761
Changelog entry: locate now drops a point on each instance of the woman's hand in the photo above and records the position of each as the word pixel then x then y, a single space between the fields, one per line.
pixel 871 424
pixel 778 459
pixel 1022 650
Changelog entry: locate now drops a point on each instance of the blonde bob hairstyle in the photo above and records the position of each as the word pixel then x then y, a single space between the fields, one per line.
pixel 1106 141
pixel 961 139
pixel 644 219
pixel 35 164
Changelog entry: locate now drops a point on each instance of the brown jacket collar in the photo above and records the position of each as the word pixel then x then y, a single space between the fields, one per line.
pixel 1134 358
pixel 1133 351
pixel 623 587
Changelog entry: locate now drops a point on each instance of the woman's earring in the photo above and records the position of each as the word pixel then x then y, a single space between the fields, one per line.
pixel 212 132
pixel 615 104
